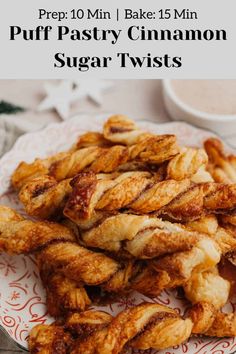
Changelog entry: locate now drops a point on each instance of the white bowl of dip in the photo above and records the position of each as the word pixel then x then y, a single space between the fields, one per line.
pixel 209 104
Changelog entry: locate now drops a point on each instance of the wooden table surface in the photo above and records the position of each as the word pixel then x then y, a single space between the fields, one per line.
pixel 140 99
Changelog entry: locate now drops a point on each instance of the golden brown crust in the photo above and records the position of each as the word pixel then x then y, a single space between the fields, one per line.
pixel 44 197
pixel 39 167
pixel 138 192
pixel 56 249
pixel 202 199
pixel 49 339
pixel 27 171
pixel 207 224
pixel 26 236
pixel 121 129
pixel 224 236
pixel 142 327
pixel 94 152
pixel 77 263
pixel 92 139
pixel 143 237
pixel 222 167
pixel 63 294
pixel 94 158
pixel 202 315
pixel 85 323
pixel 204 255
pixel 186 164
pixel 224 325
pixel 210 322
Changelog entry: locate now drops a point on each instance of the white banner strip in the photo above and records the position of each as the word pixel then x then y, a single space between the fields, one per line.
pixel 125 39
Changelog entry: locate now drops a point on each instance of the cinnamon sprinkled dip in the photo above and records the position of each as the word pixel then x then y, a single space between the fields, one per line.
pixel 211 96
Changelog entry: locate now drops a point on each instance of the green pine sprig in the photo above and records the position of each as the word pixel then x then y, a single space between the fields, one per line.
pixel 9 108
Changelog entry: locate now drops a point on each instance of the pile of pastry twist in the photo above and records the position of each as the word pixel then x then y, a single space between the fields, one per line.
pixel 127 210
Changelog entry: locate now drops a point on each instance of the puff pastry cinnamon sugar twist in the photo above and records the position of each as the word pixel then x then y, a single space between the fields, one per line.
pixel 183 265
pixel 98 157
pixel 27 171
pixel 44 197
pixel 202 199
pixel 56 338
pixel 166 272
pixel 142 327
pixel 222 166
pixel 140 193
pixel 121 130
pixel 141 236
pixel 136 191
pixel 56 248
pixel 154 150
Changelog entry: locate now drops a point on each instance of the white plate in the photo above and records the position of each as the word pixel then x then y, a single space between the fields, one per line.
pixel 22 298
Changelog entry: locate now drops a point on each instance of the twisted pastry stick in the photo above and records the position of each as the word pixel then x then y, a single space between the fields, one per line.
pixel 44 197
pixel 97 158
pixel 137 191
pixel 85 323
pixel 143 237
pixel 202 199
pixel 18 235
pixel 56 248
pixel 57 251
pixel 142 327
pixel 140 193
pixel 154 150
pixel 121 130
pixel 27 171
